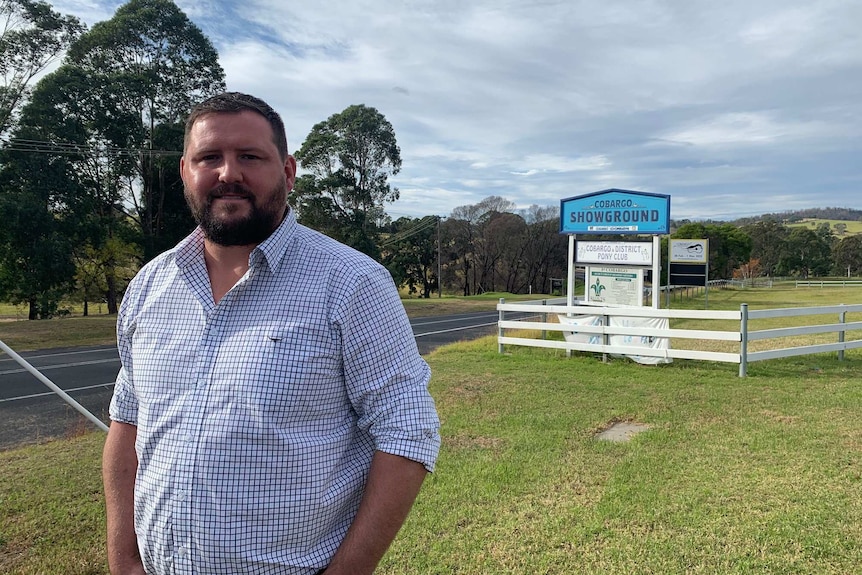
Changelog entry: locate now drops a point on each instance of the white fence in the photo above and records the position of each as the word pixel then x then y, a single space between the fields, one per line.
pixel 739 337
pixel 827 283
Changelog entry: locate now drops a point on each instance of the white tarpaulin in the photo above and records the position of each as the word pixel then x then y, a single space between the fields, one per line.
pixel 622 340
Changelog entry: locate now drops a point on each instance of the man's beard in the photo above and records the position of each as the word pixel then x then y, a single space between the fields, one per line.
pixel 253 229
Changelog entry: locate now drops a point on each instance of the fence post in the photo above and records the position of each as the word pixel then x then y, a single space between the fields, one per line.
pixel 606 339
pixel 842 318
pixel 743 345
pixel 544 320
pixel 500 327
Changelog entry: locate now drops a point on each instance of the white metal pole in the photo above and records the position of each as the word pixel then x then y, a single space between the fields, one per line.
pixel 570 292
pixel 656 272
pixel 65 396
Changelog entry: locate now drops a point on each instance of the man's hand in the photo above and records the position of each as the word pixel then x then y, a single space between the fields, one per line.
pixel 392 486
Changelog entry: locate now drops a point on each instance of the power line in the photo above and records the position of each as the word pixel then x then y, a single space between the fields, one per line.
pixel 420 226
pixel 71 148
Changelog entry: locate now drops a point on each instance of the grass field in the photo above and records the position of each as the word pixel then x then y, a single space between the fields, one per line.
pixel 852 227
pixel 733 476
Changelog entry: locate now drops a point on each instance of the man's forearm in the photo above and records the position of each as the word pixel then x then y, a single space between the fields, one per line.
pixel 392 486
pixel 119 466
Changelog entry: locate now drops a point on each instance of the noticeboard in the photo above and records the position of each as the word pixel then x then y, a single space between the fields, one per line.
pixel 692 251
pixel 615 286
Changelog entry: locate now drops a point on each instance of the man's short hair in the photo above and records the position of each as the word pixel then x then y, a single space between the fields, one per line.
pixel 234 103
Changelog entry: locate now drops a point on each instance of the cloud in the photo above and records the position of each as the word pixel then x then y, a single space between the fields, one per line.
pixel 733 108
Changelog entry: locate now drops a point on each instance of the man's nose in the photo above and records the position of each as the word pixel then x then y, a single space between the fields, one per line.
pixel 230 170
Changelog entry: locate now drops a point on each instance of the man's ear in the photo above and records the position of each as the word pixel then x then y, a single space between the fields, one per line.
pixel 289 171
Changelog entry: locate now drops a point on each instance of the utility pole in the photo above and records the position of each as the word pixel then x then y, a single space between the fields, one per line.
pixel 439 262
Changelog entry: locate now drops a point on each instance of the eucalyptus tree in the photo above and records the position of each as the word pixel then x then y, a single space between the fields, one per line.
pixel 473 245
pixel 847 256
pixel 460 231
pixel 507 236
pixel 768 243
pixel 350 157
pixel 32 37
pixel 113 112
pixel 545 249
pixel 146 67
pixel 729 246
pixel 410 253
pixel 808 253
pixel 38 205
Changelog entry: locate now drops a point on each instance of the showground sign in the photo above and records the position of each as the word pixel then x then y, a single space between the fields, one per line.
pixel 616 212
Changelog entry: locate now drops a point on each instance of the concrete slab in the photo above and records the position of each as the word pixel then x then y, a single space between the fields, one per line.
pixel 621 431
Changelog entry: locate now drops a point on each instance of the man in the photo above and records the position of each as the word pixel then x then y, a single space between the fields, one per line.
pixel 271 415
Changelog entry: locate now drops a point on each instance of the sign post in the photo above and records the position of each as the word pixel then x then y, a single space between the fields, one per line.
pixel 689 265
pixel 615 211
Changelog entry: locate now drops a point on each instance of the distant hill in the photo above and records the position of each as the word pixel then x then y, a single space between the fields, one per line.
pixel 796 216
pixel 842 220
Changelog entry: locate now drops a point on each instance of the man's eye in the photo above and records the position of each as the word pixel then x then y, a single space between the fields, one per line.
pixel 249 157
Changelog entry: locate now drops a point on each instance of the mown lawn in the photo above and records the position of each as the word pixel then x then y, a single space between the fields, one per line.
pixel 734 476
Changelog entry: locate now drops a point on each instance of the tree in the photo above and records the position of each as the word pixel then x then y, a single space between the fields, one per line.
pixel 458 233
pixel 729 246
pixel 32 37
pixel 749 271
pixel 93 267
pixel 115 111
pixel 473 247
pixel 350 157
pixel 410 254
pixel 847 256
pixel 768 243
pixel 37 204
pixel 545 249
pixel 146 67
pixel 509 235
pixel 808 254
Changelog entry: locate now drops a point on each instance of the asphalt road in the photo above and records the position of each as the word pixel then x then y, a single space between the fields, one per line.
pixel 32 413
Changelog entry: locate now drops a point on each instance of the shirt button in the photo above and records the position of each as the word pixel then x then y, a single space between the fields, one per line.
pixel 181 552
pixel 181 494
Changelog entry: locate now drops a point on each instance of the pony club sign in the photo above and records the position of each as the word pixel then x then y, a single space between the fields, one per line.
pixel 616 212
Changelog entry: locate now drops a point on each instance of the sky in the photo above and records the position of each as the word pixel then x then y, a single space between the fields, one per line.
pixel 732 108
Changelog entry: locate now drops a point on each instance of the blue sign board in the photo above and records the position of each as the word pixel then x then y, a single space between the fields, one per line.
pixel 616 212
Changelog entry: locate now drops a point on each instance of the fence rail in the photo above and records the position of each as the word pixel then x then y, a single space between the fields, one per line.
pixel 741 335
pixel 827 283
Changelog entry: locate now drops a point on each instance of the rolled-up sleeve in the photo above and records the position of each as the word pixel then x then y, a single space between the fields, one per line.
pixel 386 377
pixel 124 403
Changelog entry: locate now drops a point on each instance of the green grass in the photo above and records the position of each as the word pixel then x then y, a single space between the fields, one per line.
pixel 734 476
pixel 853 226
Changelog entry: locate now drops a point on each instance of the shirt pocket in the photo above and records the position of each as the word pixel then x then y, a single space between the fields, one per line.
pixel 289 372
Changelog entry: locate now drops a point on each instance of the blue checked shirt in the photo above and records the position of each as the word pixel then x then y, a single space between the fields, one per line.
pixel 257 418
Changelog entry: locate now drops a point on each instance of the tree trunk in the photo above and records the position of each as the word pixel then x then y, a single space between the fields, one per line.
pixel 111 294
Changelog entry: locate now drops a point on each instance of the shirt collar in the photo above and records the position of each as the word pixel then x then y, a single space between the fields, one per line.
pixel 272 249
